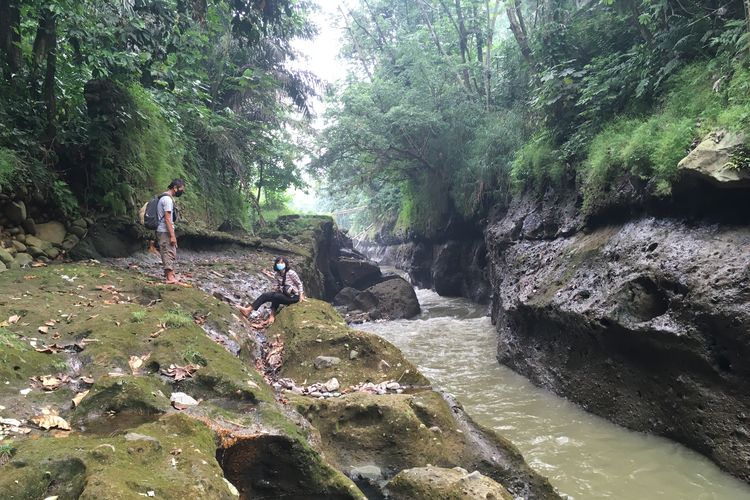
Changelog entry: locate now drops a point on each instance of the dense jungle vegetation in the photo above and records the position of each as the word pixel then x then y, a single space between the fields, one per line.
pixel 102 103
pixel 451 107
pixel 455 106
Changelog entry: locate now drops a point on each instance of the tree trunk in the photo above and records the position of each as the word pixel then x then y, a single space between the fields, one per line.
pixel 10 38
pixel 357 46
pixel 518 28
pixel 260 184
pixel 45 46
pixel 462 42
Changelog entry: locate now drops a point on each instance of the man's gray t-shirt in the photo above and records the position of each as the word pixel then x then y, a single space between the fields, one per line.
pixel 166 204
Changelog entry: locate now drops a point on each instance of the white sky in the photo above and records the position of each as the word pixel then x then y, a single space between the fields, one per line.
pixel 320 56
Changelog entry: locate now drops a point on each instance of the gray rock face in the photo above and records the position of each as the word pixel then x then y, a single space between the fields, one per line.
pixel 357 273
pixel 644 323
pixel 452 268
pixel 393 298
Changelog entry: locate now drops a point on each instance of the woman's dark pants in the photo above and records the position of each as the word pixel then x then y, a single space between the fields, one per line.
pixel 276 299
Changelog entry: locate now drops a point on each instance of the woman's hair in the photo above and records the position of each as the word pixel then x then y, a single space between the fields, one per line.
pixel 280 259
pixel 177 183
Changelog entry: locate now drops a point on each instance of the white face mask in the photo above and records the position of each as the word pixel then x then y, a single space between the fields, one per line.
pixel 280 266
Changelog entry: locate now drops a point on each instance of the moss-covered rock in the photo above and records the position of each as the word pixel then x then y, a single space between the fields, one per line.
pixel 122 331
pixel 436 483
pixel 313 328
pixel 176 461
pixel 278 466
pixel 123 395
pixel 402 431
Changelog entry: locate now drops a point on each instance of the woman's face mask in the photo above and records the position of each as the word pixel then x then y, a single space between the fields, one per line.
pixel 280 266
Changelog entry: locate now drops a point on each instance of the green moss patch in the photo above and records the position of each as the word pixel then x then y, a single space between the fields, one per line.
pixel 173 457
pixel 313 328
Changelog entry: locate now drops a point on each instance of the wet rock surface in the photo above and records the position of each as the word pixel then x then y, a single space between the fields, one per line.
pixel 644 323
pixel 453 268
pixel 128 387
pixel 442 483
pixel 392 298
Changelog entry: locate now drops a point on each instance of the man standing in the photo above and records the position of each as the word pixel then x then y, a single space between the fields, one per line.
pixel 167 214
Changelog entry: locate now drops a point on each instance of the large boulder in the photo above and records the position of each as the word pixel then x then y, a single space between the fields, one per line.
pixel 54 232
pixel 714 160
pixel 15 212
pixel 395 299
pixel 442 483
pixel 345 297
pixel 357 273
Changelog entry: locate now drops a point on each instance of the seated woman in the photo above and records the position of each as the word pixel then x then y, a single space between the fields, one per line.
pixel 288 290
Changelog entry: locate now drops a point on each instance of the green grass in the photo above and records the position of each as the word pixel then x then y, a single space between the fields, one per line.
pixel 10 340
pixel 193 356
pixel 537 163
pixel 651 147
pixel 6 450
pixel 176 318
pixel 138 316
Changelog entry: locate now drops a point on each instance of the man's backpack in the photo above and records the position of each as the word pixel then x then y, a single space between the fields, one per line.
pixel 150 214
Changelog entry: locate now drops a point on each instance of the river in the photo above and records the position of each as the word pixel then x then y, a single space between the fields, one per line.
pixel 584 456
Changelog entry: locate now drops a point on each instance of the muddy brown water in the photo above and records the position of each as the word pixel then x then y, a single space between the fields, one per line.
pixel 584 456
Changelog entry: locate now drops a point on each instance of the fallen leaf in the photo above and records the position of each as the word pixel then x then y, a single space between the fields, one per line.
pixel 13 319
pixel 86 380
pixel 47 422
pixel 180 372
pixel 51 323
pixel 136 362
pixel 38 264
pixel 92 317
pixel 157 332
pixel 50 383
pixel 79 397
pixel 117 323
pixel 25 392
pixel 43 329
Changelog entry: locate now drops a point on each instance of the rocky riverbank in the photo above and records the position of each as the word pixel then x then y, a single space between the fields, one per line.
pixel 639 313
pixel 637 308
pixel 451 267
pixel 117 386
